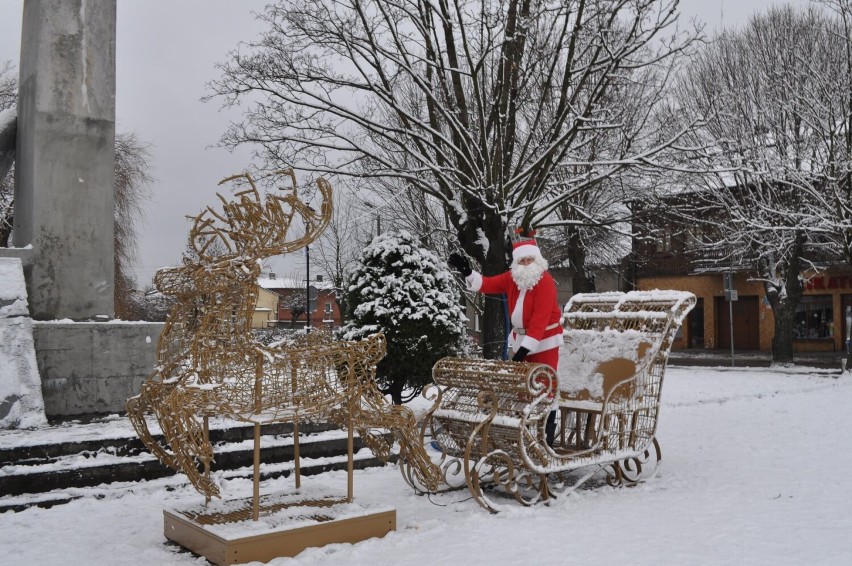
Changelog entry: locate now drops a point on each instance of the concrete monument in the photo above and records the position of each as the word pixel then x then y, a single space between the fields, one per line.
pixel 62 238
pixel 65 157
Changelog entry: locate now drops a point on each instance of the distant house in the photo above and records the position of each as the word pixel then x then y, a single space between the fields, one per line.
pixel 266 310
pixel 291 292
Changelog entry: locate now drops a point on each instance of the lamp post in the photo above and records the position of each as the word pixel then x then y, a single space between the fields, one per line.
pixel 307 289
pixel 308 285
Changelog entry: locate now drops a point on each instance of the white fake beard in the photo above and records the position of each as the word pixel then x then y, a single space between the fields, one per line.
pixel 528 276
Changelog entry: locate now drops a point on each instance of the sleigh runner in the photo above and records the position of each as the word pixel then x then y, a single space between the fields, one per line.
pixel 487 419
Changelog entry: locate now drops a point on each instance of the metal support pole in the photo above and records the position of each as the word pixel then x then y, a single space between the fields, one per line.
pixel 206 421
pixel 294 387
pixel 258 404
pixel 350 450
pixel 296 461
pixel 255 500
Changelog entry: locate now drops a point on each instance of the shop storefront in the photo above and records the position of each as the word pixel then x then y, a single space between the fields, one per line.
pixel 820 320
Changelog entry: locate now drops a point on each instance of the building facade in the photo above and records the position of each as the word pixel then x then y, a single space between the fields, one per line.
pixel 266 309
pixel 292 293
pixel 732 304
pixel 820 323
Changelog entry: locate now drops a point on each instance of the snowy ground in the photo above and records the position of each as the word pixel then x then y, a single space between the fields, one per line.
pixel 756 466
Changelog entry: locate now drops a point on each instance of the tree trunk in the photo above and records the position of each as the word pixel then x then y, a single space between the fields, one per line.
pixel 782 342
pixel 784 304
pixel 582 281
pixel 496 261
pixel 493 329
pixel 340 297
pixel 395 390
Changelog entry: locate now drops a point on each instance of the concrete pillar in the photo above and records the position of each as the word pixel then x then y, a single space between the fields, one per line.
pixel 65 156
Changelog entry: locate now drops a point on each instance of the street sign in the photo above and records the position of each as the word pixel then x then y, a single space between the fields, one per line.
pixel 731 295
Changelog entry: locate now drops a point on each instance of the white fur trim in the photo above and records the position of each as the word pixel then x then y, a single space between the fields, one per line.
pixel 474 281
pixel 526 250
pixel 543 345
pixel 530 344
pixel 517 316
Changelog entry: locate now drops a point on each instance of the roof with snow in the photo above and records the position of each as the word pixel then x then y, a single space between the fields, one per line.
pixel 292 283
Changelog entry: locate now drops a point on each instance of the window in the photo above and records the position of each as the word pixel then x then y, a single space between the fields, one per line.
pixel 663 240
pixel 327 308
pixel 814 318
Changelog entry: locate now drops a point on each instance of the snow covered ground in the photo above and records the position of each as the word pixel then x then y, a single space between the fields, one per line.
pixel 756 470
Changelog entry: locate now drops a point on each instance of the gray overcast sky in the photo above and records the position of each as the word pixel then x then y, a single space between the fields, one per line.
pixel 165 53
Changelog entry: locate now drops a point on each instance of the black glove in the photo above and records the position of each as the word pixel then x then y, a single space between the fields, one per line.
pixel 520 354
pixel 460 264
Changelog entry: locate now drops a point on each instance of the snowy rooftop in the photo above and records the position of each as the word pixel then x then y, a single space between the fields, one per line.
pixel 292 283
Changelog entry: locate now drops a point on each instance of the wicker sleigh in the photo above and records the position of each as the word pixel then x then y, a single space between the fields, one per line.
pixel 487 420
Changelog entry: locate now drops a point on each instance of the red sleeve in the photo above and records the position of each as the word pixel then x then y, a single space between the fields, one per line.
pixel 497 284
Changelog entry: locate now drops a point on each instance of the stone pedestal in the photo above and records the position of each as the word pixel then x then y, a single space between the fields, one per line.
pixel 93 367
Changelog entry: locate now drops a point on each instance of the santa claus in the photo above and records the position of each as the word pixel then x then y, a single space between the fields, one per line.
pixel 534 312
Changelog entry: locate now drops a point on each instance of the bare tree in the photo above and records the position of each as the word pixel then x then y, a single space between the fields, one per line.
pixel 833 124
pixel 296 302
pixel 211 246
pixel 132 190
pixel 476 103
pixel 8 99
pixel 7 207
pixel 8 85
pixel 768 96
pixel 338 249
pixel 839 185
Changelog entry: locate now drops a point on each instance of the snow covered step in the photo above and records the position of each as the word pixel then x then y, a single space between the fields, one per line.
pixel 114 435
pixel 82 456
pixel 268 471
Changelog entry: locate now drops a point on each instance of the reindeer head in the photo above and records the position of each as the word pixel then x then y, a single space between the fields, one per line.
pixel 229 244
pixel 253 228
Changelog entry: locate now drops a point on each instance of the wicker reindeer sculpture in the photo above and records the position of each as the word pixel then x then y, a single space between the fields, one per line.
pixel 210 365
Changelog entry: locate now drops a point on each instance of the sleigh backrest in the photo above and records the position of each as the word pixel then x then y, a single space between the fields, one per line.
pixel 614 357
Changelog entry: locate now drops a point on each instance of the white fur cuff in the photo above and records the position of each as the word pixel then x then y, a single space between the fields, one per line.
pixel 474 281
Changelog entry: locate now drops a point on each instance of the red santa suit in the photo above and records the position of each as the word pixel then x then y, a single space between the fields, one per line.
pixel 534 312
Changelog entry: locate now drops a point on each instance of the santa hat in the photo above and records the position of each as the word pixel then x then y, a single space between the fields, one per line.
pixel 526 248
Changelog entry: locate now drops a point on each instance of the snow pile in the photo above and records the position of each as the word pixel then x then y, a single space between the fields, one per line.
pixel 8 117
pixel 584 351
pixel 21 402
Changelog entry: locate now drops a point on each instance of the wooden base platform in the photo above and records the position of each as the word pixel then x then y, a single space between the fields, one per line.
pixel 224 532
